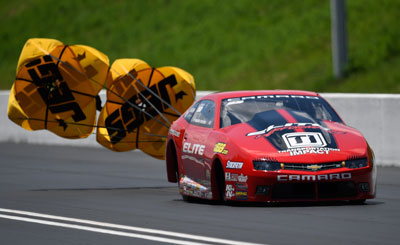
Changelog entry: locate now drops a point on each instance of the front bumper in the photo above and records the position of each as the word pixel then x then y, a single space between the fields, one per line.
pixel 289 185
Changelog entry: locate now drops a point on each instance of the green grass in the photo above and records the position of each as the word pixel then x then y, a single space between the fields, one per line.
pixel 226 45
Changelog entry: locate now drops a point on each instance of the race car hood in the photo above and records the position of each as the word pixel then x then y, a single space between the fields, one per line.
pixel 271 136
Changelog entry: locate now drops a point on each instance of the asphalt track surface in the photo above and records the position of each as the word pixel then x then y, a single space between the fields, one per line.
pixel 130 189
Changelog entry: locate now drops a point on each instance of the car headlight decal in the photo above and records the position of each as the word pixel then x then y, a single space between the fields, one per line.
pixel 356 163
pixel 267 166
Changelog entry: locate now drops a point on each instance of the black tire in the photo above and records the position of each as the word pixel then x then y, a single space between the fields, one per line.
pixel 220 179
pixel 173 153
pixel 186 198
pixel 357 202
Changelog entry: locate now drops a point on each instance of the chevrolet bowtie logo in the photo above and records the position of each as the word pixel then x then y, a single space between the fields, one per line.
pixel 314 167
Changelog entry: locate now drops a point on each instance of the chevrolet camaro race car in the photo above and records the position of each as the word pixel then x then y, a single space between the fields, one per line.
pixel 263 146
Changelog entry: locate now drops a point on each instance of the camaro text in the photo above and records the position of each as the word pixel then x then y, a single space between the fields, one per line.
pixel 293 177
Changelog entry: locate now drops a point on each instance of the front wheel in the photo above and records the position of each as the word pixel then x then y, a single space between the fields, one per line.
pixel 357 202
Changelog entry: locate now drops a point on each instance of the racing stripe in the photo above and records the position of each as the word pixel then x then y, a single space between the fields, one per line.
pixel 327 135
pixel 281 117
pixel 300 118
pixel 264 119
pixel 289 116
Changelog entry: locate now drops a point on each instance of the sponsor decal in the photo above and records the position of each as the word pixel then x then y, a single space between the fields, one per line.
pixel 201 121
pixel 231 177
pixel 296 177
pixel 304 139
pixel 196 149
pixel 242 178
pixel 309 150
pixel 220 148
pixel 274 96
pixel 241 191
pixel 241 195
pixel 234 165
pixel 230 191
pixel 191 110
pixel 190 187
pixel 291 126
pixel 174 132
pixel 241 186
pixel 235 177
pixel 235 102
pixel 200 108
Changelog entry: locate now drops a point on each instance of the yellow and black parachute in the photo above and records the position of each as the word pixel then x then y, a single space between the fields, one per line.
pixel 57 86
pixel 142 101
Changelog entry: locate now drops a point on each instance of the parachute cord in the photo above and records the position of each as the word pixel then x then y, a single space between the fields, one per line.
pixel 162 140
pixel 140 141
pixel 137 136
pixel 61 54
pixel 151 91
pixel 171 114
pixel 72 123
pixel 124 99
pixel 46 102
pixel 88 125
pixel 141 110
pixel 47 113
pixel 144 97
pixel 155 135
pixel 155 108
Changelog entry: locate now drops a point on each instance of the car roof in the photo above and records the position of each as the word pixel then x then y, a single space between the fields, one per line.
pixel 233 94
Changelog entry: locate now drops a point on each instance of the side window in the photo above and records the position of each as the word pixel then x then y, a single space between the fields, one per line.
pixel 204 114
pixel 189 114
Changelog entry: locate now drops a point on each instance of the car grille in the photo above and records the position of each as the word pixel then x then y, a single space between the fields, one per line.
pixel 312 167
pixel 310 191
pixel 336 189
pixel 294 191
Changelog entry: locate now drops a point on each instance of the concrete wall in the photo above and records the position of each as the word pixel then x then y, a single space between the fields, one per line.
pixel 375 115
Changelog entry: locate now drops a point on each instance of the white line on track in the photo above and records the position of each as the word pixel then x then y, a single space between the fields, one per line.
pixel 115 226
pixel 101 230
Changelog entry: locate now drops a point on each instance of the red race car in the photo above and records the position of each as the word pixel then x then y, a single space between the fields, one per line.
pixel 262 146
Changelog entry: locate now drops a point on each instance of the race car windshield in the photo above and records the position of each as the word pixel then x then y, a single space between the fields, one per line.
pixel 304 108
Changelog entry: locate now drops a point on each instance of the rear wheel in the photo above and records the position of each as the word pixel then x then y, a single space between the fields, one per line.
pixel 172 152
pixel 187 198
pixel 184 197
pixel 220 181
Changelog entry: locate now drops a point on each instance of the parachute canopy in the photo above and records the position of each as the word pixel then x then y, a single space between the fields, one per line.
pixel 57 86
pixel 142 101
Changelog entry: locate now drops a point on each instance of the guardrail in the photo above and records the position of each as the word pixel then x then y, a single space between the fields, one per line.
pixel 375 115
